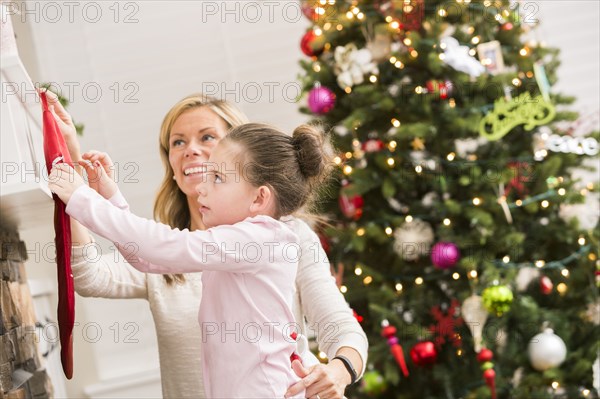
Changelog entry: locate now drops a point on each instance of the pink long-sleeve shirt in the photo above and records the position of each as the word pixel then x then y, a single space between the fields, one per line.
pixel 249 270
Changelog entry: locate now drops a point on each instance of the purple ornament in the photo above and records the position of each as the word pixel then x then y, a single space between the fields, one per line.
pixel 444 255
pixel 321 100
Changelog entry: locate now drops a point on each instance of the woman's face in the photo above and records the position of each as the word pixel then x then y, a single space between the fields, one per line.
pixel 193 136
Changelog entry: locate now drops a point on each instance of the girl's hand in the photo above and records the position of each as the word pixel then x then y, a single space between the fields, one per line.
pixel 100 171
pixel 324 381
pixel 63 181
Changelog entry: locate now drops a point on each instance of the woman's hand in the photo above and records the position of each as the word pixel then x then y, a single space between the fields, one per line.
pixel 64 121
pixel 100 171
pixel 63 181
pixel 322 381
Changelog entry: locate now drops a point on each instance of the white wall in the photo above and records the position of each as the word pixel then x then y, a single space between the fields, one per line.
pixel 173 48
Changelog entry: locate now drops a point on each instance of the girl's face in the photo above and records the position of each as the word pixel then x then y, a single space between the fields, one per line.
pixel 193 136
pixel 225 197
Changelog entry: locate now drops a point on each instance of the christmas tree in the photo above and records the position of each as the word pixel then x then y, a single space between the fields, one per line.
pixel 449 217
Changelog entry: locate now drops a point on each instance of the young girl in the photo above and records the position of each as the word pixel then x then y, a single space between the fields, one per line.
pixel 254 176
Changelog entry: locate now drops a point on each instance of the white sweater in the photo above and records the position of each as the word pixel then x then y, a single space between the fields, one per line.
pixel 318 307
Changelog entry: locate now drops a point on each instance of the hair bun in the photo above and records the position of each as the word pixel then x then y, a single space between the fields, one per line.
pixel 311 152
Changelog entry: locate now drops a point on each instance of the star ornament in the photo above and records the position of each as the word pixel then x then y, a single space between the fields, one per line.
pixel 418 144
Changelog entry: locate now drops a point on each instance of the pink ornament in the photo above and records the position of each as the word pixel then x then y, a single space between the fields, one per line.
pixel 373 145
pixel 321 100
pixel 444 255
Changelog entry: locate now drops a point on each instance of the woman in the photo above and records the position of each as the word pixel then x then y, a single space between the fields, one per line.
pixel 189 132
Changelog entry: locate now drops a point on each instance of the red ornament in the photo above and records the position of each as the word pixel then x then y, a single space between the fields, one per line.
pixel 373 145
pixel 351 205
pixel 358 317
pixel 546 285
pixel 507 26
pixel 442 89
pixel 489 376
pixel 309 46
pixel 446 323
pixel 389 332
pixel 308 8
pixel 423 353
pixel 325 243
pixel 522 172
pixel 485 355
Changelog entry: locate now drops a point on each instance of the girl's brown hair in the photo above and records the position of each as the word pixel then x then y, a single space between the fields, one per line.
pixel 294 167
pixel 171 206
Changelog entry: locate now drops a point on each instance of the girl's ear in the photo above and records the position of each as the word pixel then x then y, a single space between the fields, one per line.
pixel 264 201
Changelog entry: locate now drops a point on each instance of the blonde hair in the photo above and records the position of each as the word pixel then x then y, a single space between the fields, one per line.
pixel 171 206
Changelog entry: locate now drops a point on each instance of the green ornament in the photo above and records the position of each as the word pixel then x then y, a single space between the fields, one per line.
pixel 373 383
pixel 552 182
pixel 487 365
pixel 497 299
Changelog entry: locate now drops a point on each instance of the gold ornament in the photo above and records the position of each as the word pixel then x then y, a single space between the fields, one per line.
pixel 418 144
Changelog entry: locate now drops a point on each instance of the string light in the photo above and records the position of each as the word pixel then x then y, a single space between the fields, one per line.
pixel 585 392
pixel 343 289
pixel 388 19
pixel 388 231
pixel 358 271
pixel 392 145
pixel 506 259
pixel 360 232
pixel 446 222
pixel 322 355
pixel 565 272
pixel 368 280
pixel 545 204
pixel 419 280
pixel 473 274
pixel 399 65
pixel 398 287
pixel 373 78
pixel 337 160
pixel 581 240
pixel 442 56
pixel 475 39
pixel 394 25
pixel 516 82
pixel 524 51
pixel 555 384
pixel 442 12
pixel 419 90
pixel 393 60
pixel 419 169
pixel 519 202
pixel 561 288
pixel 476 201
pixel 472 52
pixel 408 218
pixel 349 15
pixel 327 26
pixel 452 103
pixel 360 16
pixel 562 191
pixel 395 122
pixel 339 27
pixel 348 89
pixel 348 155
pixel 539 263
pixel 414 53
pixel 407 41
pixel 451 156
pixel 455 276
pixel 317 67
pixel 590 186
pixel 391 162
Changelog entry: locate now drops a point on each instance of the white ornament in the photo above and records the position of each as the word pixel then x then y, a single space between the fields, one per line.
pixel 413 239
pixel 525 276
pixel 429 199
pixel 464 147
pixel 546 350
pixel 586 213
pixel 475 315
pixel 458 57
pixel 351 64
pixel 576 145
